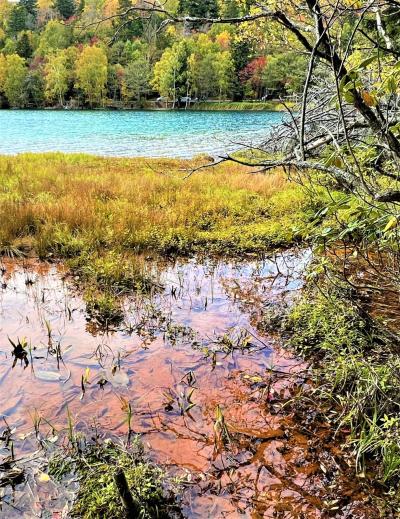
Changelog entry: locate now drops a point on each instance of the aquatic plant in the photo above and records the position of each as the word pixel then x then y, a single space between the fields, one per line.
pixel 126 407
pixel 183 400
pixel 104 308
pixel 222 436
pixel 152 490
pixel 20 351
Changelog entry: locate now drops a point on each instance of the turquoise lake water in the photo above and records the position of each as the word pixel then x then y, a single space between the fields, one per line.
pixel 132 133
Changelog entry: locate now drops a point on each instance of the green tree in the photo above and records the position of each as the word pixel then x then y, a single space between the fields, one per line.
pixel 17 20
pixel 170 73
pixel 10 46
pixel 210 68
pixel 91 74
pixel 54 37
pixel 225 72
pixel 205 8
pixel 14 82
pixel 137 79
pixel 241 52
pixel 128 26
pixel 34 88
pixel 230 9
pixel 202 70
pixel 125 52
pixel 3 71
pixel 115 82
pixel 66 8
pixel 24 47
pixel 285 73
pixel 30 6
pixel 5 8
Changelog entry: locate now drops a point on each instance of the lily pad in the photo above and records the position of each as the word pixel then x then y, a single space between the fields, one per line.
pixel 117 379
pixel 48 376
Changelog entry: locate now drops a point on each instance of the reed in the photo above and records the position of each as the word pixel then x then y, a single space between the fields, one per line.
pixel 62 205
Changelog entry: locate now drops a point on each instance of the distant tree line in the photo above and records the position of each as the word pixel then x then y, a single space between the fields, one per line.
pixel 85 53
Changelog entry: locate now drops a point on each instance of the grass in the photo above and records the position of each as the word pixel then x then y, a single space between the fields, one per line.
pixel 271 106
pixel 357 374
pixel 102 216
pixel 101 210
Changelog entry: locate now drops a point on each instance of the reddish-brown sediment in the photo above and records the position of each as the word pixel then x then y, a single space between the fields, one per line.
pixel 272 464
pixel 375 276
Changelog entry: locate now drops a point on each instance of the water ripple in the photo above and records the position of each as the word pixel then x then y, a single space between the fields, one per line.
pixel 132 133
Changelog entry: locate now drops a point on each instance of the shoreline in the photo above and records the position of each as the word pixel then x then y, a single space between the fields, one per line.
pixel 223 106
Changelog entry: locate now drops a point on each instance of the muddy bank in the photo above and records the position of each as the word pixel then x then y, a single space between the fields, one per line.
pixel 210 396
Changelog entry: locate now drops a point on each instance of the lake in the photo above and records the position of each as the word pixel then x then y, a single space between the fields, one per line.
pixel 132 133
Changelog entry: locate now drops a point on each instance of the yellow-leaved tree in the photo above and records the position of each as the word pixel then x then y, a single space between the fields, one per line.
pixel 91 74
pixel 13 74
pixel 56 77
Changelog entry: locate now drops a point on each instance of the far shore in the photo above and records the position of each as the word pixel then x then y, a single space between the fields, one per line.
pixel 153 106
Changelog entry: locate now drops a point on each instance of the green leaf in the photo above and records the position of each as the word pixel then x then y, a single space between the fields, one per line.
pixel 364 64
pixel 348 97
pixel 395 128
pixel 391 84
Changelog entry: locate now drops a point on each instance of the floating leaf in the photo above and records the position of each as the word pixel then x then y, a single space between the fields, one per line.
pixel 48 376
pixel 119 378
pixel 255 379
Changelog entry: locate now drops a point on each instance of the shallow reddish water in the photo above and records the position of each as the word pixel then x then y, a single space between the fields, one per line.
pixel 193 344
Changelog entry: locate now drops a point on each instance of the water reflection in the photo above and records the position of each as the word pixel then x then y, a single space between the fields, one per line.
pixel 204 388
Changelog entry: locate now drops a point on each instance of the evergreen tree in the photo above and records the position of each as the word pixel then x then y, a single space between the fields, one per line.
pixel 203 9
pixel 241 50
pixel 230 9
pixel 30 6
pixel 66 8
pixel 23 47
pixel 17 20
pixel 127 28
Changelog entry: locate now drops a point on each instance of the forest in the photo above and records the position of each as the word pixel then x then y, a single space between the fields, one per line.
pixel 86 54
